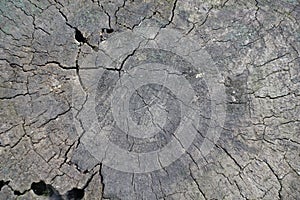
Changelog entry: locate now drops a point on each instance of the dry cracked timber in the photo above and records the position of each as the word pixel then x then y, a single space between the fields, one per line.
pixel 67 65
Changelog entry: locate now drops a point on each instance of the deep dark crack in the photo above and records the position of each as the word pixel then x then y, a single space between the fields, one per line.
pixel 83 82
pixel 79 37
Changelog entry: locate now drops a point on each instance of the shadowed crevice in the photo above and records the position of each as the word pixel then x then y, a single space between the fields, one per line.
pixel 42 189
pixel 3 183
pixel 79 36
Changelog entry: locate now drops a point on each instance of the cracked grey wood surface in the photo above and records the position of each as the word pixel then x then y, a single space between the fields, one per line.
pixel 255 45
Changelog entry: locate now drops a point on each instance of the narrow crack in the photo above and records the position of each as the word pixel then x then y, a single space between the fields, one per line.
pixel 79 37
pixel 277 177
pixel 172 15
pixel 198 186
pixel 101 180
